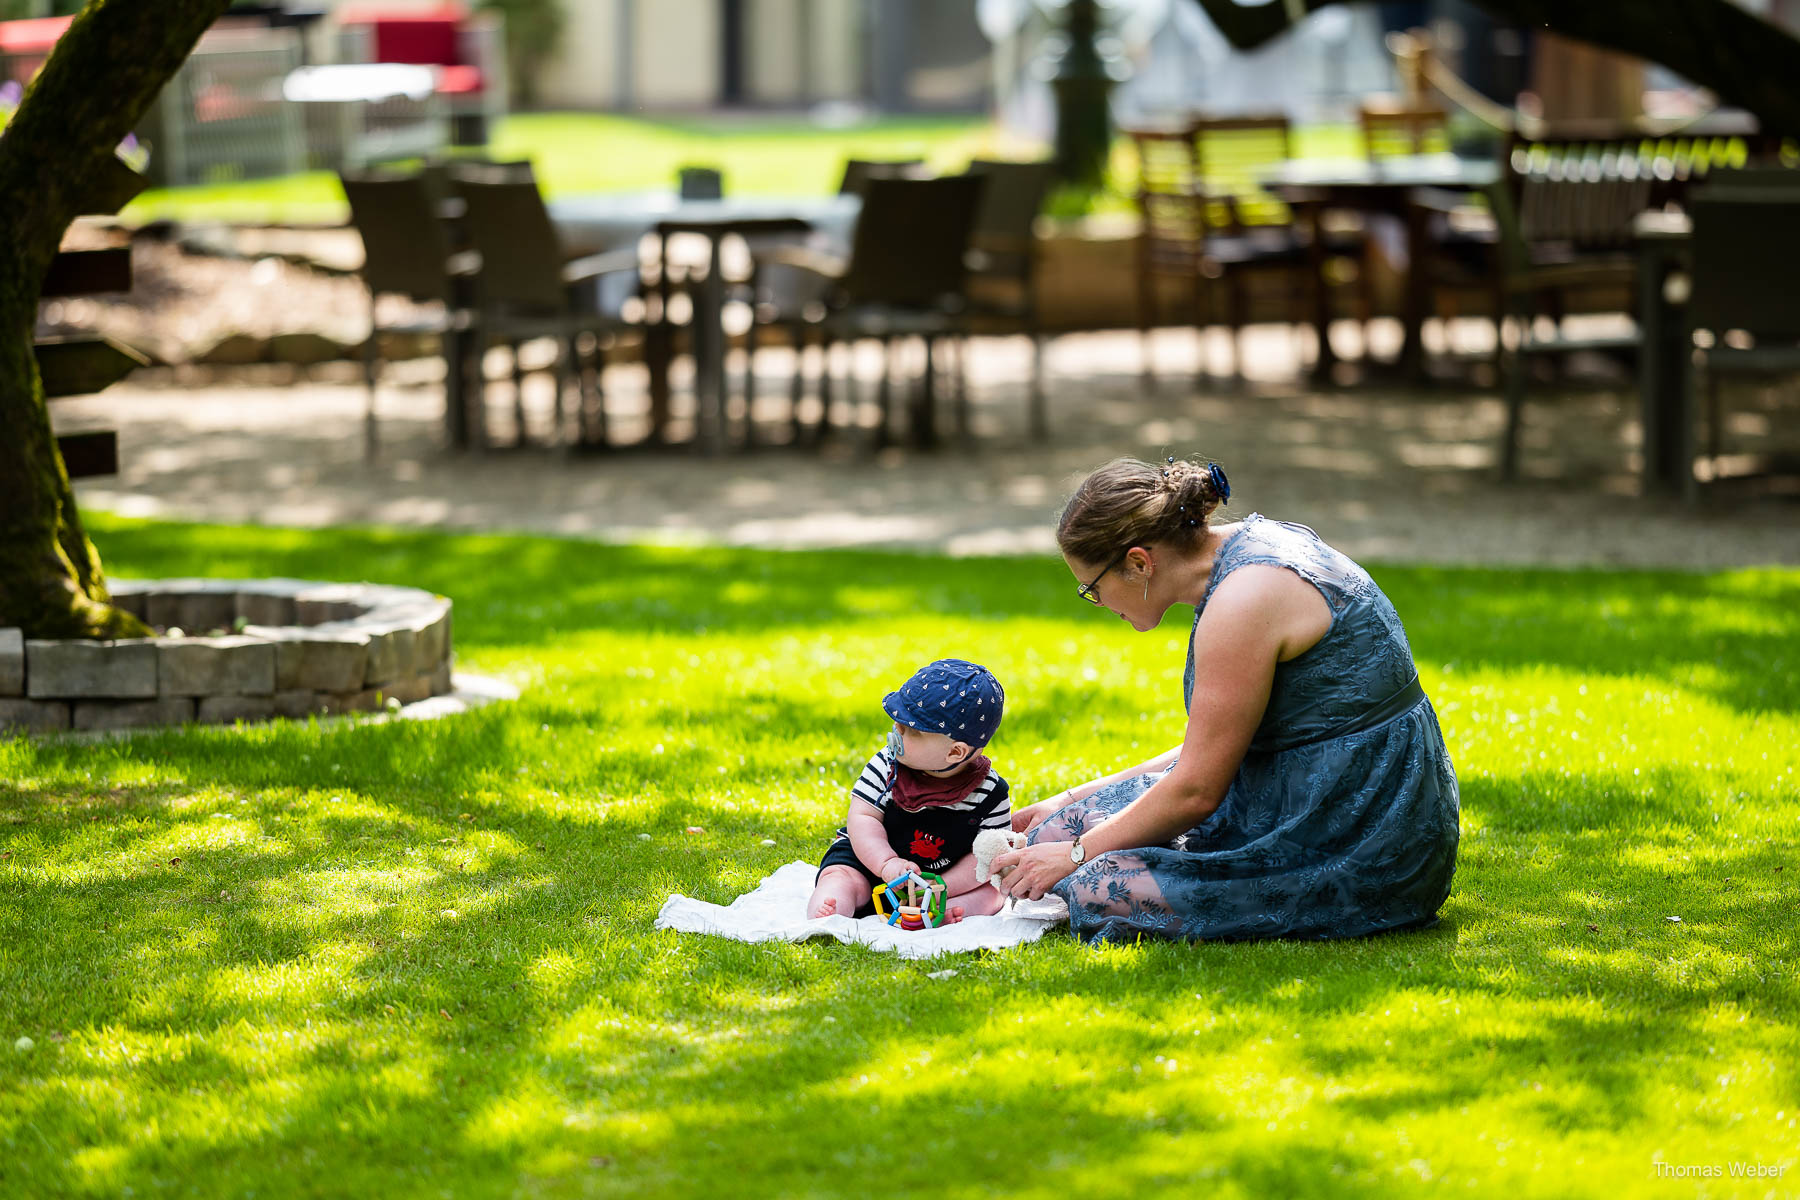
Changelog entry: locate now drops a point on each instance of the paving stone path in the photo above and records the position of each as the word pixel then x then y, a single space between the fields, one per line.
pixel 1389 475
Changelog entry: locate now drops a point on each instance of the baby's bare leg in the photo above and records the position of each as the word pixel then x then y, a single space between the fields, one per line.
pixel 840 891
pixel 983 901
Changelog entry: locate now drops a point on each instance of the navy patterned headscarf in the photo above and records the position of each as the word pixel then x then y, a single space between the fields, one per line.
pixel 950 696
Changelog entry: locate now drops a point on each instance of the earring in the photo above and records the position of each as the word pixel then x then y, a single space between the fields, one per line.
pixel 1146 591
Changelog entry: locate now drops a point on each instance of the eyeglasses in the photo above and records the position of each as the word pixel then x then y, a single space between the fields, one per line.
pixel 1086 590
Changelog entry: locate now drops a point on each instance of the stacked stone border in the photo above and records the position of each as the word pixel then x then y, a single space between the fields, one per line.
pixel 298 648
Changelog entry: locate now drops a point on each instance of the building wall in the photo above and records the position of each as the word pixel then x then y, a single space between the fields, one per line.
pixel 585 71
pixel 778 67
pixel 837 49
pixel 674 59
pixel 677 54
pixel 803 51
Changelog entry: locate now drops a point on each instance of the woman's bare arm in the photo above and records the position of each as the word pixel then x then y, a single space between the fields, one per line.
pixel 1159 763
pixel 1258 617
pixel 1030 817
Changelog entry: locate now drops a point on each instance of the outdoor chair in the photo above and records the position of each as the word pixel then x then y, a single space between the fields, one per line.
pixel 529 287
pixel 1207 220
pixel 1172 201
pixel 1258 236
pixel 793 300
pixel 407 251
pixel 1002 284
pixel 1392 128
pixel 858 171
pixel 904 278
pixel 1561 232
pixel 1543 189
pixel 1746 255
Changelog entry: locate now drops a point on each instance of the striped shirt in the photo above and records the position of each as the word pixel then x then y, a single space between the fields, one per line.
pixel 937 836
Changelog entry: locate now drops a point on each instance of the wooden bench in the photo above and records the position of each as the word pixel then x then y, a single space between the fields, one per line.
pixel 82 366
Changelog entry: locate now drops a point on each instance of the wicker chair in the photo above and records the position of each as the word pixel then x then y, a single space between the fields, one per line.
pixel 1206 220
pixel 407 251
pixel 1746 253
pixel 1002 284
pixel 904 278
pixel 530 287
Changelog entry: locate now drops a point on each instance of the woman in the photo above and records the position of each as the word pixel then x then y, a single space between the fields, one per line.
pixel 1312 796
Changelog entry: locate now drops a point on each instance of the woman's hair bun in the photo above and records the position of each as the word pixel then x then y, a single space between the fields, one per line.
pixel 1130 502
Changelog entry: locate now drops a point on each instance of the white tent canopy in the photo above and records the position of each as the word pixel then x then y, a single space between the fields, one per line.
pixel 1181 62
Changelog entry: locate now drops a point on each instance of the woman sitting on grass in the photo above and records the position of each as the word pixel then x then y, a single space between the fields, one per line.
pixel 1312 796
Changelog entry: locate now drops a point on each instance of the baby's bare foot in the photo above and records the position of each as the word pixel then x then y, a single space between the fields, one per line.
pixel 956 914
pixel 827 907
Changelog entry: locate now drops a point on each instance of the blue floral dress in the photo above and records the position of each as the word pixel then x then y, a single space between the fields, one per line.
pixel 1341 820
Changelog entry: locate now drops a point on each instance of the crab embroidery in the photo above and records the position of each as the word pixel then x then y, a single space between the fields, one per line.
pixel 926 846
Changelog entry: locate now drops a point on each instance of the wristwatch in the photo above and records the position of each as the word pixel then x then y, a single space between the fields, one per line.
pixel 1077 852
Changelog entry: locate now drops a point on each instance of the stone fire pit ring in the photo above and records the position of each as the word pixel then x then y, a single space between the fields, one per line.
pixel 250 650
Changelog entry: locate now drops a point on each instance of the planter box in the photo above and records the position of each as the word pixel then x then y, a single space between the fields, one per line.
pixel 345 647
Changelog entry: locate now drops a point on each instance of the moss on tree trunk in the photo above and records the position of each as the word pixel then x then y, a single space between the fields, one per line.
pixel 103 74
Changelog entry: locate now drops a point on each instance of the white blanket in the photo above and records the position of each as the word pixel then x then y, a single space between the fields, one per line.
pixel 776 912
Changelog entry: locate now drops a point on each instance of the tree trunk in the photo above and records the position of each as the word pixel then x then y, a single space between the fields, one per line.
pixel 103 74
pixel 1742 58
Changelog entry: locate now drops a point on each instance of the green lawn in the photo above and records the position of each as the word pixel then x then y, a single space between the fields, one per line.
pixel 588 152
pixel 407 959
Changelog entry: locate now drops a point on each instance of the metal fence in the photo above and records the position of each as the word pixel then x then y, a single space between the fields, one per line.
pixel 223 117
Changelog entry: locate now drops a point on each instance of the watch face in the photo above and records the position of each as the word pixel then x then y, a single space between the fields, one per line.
pixel 1077 852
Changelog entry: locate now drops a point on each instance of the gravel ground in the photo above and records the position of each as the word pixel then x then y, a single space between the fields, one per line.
pixel 1384 475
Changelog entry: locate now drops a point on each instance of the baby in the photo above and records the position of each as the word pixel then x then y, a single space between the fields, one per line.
pixel 924 796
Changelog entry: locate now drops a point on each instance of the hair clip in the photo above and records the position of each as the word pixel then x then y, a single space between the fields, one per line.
pixel 1221 486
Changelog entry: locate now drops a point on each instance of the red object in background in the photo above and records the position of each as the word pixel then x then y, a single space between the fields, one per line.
pixel 459 81
pixel 374 10
pixel 26 44
pixel 422 36
pixel 34 36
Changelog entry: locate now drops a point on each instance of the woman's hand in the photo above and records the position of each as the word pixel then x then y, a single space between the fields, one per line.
pixel 1029 872
pixel 1026 819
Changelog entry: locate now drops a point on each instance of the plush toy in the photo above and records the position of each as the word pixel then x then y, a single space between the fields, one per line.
pixel 989 845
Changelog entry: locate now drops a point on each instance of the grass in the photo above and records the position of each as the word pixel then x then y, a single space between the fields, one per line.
pixel 590 152
pixel 418 959
pixel 578 153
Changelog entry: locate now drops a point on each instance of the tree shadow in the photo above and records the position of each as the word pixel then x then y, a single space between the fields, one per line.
pixel 1727 636
pixel 668 1070
pixel 570 1032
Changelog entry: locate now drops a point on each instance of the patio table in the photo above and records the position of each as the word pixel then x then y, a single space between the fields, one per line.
pixel 595 223
pixel 1386 185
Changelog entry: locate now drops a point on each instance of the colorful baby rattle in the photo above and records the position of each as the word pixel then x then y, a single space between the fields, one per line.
pixel 911 913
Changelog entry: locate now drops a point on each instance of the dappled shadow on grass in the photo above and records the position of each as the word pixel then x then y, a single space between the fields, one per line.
pixel 569 1030
pixel 1733 637
pixel 530 591
pixel 1621 800
pixel 460 947
pixel 1729 636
